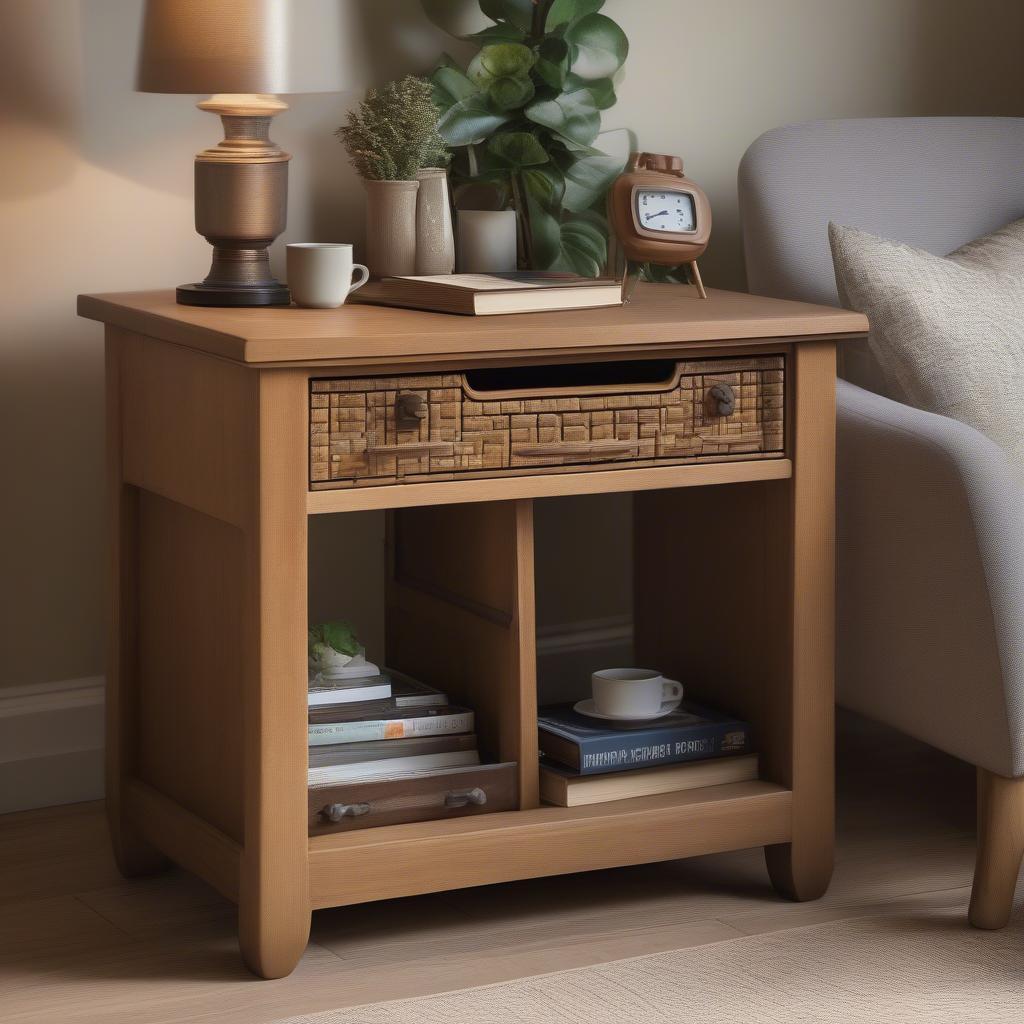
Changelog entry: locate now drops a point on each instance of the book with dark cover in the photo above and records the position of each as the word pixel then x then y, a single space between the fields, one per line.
pixel 691 733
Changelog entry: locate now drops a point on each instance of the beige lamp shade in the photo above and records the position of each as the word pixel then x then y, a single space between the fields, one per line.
pixel 242 46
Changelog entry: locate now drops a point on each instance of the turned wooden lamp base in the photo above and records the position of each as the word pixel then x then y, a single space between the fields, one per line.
pixel 241 195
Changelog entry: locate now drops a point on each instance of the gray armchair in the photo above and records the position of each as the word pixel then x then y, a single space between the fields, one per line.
pixel 930 627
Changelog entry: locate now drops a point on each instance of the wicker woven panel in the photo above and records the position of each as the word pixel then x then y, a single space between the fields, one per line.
pixel 355 440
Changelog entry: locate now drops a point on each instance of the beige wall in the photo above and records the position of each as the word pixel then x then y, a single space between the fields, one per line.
pixel 95 194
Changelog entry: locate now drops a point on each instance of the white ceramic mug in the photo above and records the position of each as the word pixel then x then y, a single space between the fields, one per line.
pixel 320 273
pixel 634 692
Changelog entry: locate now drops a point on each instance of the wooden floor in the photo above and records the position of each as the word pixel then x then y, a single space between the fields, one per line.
pixel 77 943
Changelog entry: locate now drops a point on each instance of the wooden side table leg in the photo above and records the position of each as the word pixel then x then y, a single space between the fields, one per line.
pixel 1000 849
pixel 802 868
pixel 274 903
pixel 134 856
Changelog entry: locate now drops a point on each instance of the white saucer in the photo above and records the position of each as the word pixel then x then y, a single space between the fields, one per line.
pixel 586 707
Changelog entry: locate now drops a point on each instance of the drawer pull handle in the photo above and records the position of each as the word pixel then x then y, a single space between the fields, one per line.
pixel 753 437
pixel 607 448
pixel 722 399
pixel 410 410
pixel 464 797
pixel 336 812
pixel 412 448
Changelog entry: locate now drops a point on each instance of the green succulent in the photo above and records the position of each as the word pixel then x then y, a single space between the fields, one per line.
pixel 332 636
pixel 524 115
pixel 393 132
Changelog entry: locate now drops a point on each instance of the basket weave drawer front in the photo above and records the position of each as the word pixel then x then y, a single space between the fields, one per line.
pixel 360 436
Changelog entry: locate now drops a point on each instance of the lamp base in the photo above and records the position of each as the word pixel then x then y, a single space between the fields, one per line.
pixel 202 294
pixel 241 205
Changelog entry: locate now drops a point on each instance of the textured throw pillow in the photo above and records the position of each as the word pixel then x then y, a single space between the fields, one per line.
pixel 947 331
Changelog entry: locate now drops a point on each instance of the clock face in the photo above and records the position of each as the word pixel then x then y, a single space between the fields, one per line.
pixel 664 210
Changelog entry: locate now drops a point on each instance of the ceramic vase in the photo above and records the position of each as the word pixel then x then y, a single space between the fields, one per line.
pixel 391 227
pixel 435 239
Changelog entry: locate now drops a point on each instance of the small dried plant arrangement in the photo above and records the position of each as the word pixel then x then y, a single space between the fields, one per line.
pixel 393 132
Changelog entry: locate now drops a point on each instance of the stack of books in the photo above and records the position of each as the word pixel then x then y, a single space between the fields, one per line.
pixel 586 762
pixel 384 726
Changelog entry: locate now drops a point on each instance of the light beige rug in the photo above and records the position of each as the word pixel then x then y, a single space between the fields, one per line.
pixel 882 970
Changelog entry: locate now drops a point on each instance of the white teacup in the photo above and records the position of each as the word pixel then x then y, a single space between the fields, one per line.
pixel 634 693
pixel 320 273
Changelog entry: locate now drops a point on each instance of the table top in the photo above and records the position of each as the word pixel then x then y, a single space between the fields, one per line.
pixel 659 316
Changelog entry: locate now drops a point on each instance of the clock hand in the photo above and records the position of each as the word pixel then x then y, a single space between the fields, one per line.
pixel 660 213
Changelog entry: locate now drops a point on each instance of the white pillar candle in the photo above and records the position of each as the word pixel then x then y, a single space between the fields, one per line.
pixel 486 241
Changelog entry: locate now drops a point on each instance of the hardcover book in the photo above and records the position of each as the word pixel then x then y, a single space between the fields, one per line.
pixel 337 725
pixel 489 294
pixel 564 788
pixel 691 733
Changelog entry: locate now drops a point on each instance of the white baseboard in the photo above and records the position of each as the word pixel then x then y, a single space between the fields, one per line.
pixel 51 735
pixel 51 744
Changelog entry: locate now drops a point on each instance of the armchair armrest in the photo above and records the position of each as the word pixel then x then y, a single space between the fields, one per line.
pixel 930 623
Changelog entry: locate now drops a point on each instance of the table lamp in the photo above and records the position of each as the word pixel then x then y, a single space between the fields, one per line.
pixel 243 53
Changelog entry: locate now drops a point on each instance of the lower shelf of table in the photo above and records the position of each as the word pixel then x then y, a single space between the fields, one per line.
pixel 407 860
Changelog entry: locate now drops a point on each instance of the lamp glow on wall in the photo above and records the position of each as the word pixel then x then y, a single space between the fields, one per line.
pixel 244 53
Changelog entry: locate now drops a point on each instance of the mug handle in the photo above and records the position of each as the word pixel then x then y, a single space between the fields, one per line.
pixel 362 280
pixel 671 692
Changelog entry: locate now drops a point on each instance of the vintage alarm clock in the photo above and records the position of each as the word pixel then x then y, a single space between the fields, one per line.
pixel 659 216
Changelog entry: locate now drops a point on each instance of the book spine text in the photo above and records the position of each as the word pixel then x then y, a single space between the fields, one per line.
pixel 396 729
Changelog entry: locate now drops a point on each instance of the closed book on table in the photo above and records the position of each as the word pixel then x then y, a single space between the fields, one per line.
pixel 692 733
pixel 341 725
pixel 424 796
pixel 564 788
pixel 490 294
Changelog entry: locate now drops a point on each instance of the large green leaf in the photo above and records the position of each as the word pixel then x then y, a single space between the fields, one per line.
pixel 584 249
pixel 563 12
pixel 599 47
pixel 503 72
pixel 511 93
pixel 602 89
pixel 573 116
pixel 518 12
pixel 501 60
pixel 574 245
pixel 470 121
pixel 552 62
pixel 545 185
pixel 518 149
pixel 450 86
pixel 587 180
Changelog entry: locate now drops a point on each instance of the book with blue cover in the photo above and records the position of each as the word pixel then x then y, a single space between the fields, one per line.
pixel 691 733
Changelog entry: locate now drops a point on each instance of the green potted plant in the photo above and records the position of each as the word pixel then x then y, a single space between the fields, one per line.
pixel 390 137
pixel 523 118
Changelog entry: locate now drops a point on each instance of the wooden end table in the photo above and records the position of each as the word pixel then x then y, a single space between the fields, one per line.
pixel 223 439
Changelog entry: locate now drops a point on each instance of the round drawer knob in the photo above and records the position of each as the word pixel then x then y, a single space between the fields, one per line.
pixel 722 399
